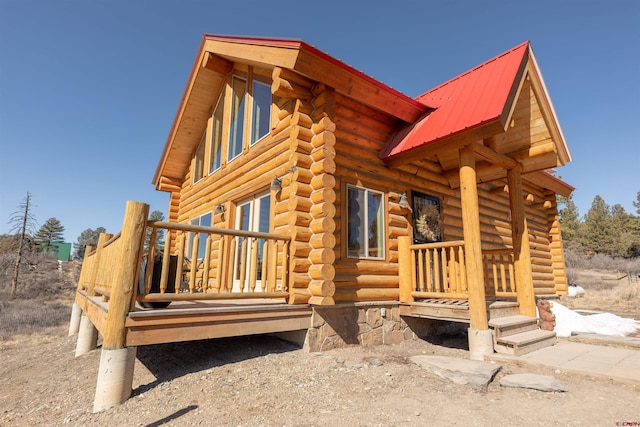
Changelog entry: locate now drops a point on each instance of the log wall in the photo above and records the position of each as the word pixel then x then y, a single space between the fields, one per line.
pixel 321 140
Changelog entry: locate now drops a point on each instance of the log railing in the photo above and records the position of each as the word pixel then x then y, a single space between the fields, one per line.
pixel 499 275
pixel 233 264
pixel 439 270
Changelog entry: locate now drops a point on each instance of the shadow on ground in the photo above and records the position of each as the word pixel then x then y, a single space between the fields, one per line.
pixel 173 360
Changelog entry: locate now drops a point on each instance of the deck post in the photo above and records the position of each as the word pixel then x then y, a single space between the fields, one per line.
pixel 521 247
pixel 480 337
pixel 115 377
pixel 87 336
pixel 404 268
pixel 74 322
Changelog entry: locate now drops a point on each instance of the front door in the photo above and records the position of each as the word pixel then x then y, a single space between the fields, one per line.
pixel 251 215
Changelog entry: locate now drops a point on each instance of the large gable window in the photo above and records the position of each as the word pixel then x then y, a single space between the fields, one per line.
pixel 365 223
pixel 240 119
pixel 236 132
pixel 198 160
pixel 261 111
pixel 215 154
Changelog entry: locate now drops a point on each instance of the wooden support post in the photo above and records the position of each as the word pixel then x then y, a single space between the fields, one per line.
pixel 115 376
pixel 87 337
pixel 404 269
pixel 91 281
pixel 521 247
pixel 127 266
pixel 472 242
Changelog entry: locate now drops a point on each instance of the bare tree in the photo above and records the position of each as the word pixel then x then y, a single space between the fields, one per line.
pixel 22 221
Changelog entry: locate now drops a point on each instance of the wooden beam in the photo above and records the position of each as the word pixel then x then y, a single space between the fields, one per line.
pixel 550 182
pixel 472 241
pixel 405 273
pixel 216 64
pixel 521 246
pixel 494 157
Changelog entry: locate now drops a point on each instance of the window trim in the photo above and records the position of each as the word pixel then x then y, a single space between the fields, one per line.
pixel 203 144
pixel 383 236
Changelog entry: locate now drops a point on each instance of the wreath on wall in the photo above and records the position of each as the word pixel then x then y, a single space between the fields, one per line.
pixel 428 224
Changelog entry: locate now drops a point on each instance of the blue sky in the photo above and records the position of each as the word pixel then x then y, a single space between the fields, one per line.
pixel 89 89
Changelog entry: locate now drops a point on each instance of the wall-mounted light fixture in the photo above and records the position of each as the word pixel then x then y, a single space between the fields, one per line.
pixel 220 209
pixel 276 184
pixel 404 203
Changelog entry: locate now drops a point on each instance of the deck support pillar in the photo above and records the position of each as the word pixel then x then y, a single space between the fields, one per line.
pixel 480 343
pixel 115 377
pixel 405 273
pixel 87 337
pixel 74 322
pixel 521 247
pixel 480 337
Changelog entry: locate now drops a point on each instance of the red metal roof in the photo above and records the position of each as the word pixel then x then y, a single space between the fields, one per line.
pixel 474 98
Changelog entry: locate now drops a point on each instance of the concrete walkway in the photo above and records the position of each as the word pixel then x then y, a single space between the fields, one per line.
pixel 619 364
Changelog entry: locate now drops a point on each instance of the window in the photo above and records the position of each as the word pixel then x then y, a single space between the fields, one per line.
pixel 251 215
pixel 365 223
pixel 261 112
pixel 215 150
pixel 236 132
pixel 204 220
pixel 427 227
pixel 198 160
pixel 241 117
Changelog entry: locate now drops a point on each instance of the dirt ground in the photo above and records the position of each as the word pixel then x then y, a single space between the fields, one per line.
pixel 264 381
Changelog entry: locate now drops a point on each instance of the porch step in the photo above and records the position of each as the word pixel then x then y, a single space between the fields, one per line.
pixel 503 309
pixel 504 326
pixel 524 342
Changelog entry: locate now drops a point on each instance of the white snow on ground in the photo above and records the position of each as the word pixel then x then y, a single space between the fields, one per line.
pixel 568 321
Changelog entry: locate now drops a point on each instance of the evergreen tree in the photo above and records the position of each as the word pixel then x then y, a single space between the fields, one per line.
pixel 87 237
pixel 637 203
pixel 50 232
pixel 620 228
pixel 569 219
pixel 596 234
pixel 155 216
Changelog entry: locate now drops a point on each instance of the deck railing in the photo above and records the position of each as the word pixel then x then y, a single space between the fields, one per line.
pixel 499 276
pixel 231 264
pixel 439 270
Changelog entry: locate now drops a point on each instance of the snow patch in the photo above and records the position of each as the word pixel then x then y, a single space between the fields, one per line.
pixel 569 321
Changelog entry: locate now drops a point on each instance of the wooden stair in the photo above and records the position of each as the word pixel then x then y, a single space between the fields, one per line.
pixel 516 334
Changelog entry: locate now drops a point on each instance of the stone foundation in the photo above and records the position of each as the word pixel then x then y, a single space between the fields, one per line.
pixel 364 324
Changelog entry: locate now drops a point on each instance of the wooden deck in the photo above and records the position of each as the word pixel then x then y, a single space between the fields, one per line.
pixel 454 310
pixel 196 320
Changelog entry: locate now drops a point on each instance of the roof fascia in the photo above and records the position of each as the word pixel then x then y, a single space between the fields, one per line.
pixel 548 111
pixel 179 113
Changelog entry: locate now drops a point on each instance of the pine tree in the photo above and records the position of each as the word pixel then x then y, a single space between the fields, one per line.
pixel 87 237
pixel 620 227
pixel 596 233
pixel 637 203
pixel 50 232
pixel 569 219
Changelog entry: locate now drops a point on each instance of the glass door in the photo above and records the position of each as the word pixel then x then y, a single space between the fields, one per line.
pixel 251 215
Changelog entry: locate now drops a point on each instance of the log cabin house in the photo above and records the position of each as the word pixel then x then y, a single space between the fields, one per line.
pixel 305 195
